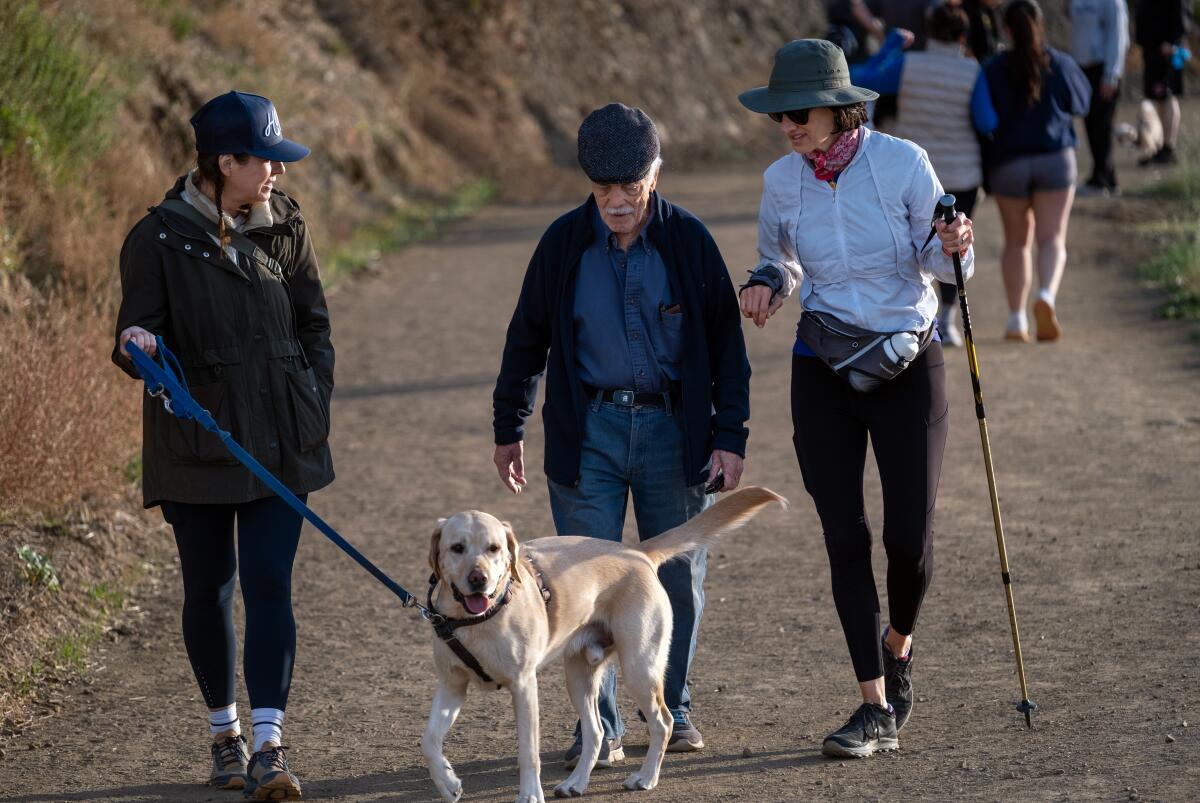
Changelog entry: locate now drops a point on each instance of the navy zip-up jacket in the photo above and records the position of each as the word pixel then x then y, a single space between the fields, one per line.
pixel 714 393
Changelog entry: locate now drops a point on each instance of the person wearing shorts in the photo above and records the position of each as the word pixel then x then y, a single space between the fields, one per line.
pixel 1161 28
pixel 1036 91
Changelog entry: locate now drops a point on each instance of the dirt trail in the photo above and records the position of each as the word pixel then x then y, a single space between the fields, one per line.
pixel 1097 450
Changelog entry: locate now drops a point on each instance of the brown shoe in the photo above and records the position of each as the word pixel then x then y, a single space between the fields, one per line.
pixel 229 757
pixel 269 777
pixel 1047 321
pixel 1016 335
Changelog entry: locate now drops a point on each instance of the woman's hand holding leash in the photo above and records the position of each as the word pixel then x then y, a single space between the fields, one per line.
pixel 957 235
pixel 758 303
pixel 141 338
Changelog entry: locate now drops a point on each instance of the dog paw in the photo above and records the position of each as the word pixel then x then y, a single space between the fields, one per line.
pixel 522 797
pixel 572 787
pixel 638 781
pixel 450 787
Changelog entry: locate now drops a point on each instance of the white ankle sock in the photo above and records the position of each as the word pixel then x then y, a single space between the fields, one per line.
pixel 1017 322
pixel 1045 295
pixel 224 719
pixel 267 725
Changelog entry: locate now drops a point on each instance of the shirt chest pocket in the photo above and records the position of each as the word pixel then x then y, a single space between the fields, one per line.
pixel 670 333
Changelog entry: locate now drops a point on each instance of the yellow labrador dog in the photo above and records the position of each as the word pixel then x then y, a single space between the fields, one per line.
pixel 600 598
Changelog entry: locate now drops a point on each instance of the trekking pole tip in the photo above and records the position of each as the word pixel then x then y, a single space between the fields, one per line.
pixel 1027 707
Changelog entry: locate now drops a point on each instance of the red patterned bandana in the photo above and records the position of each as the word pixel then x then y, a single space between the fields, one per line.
pixel 827 164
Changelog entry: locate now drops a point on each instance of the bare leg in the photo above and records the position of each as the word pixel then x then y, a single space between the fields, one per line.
pixel 525 704
pixel 1051 212
pixel 1016 215
pixel 447 702
pixel 873 691
pixel 1168 111
pixel 583 687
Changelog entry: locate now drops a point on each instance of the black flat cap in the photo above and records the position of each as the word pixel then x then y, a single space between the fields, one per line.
pixel 617 144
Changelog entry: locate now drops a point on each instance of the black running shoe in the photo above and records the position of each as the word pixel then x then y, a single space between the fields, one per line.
pixel 869 730
pixel 897 680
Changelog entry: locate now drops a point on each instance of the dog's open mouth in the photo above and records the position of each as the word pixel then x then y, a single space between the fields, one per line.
pixel 475 603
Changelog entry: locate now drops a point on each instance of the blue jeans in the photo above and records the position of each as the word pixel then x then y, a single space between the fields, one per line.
pixel 640 451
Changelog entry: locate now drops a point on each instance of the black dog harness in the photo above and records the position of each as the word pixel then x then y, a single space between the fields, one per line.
pixel 444 626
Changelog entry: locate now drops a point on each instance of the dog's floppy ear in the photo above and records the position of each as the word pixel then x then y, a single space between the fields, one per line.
pixel 514 551
pixel 435 545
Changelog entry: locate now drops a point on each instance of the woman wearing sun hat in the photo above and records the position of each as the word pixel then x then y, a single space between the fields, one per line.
pixel 845 218
pixel 224 270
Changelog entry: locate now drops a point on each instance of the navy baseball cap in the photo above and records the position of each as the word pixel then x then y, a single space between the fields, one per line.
pixel 238 122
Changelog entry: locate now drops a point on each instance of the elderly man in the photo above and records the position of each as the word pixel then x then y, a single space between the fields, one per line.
pixel 647 381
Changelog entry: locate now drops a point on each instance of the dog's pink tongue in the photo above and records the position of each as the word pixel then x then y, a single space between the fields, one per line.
pixel 476 603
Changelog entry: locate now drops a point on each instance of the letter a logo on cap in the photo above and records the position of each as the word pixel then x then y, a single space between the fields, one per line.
pixel 272 129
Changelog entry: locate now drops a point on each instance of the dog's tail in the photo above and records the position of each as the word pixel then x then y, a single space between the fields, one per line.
pixel 706 528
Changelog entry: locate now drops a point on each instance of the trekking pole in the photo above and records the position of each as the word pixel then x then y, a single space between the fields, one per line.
pixel 1026 706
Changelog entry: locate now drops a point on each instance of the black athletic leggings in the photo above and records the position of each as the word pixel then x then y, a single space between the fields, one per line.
pixel 268 533
pixel 906 421
pixel 964 201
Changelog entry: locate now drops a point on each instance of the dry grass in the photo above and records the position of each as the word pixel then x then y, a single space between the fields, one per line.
pixel 68 418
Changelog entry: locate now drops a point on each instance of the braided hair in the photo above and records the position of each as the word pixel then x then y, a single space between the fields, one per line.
pixel 208 165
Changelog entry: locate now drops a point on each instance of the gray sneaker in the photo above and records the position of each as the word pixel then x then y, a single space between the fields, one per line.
pixel 684 736
pixel 268 777
pixel 229 757
pixel 870 729
pixel 611 753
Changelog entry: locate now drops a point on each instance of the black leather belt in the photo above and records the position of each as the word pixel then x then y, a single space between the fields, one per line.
pixel 629 398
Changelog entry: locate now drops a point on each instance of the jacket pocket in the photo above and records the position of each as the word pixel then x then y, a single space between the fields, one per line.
pixel 310 409
pixel 188 442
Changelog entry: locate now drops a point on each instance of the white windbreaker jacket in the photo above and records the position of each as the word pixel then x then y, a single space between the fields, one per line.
pixel 856 251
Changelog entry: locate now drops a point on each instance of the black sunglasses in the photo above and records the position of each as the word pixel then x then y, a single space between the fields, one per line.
pixel 798 116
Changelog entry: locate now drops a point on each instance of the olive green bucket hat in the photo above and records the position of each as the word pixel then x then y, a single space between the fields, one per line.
pixel 808 74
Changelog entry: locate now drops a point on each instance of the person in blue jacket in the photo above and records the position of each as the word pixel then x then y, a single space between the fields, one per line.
pixel 629 310
pixel 1036 90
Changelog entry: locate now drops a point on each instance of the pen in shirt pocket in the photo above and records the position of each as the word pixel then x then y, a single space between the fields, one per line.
pixel 669 309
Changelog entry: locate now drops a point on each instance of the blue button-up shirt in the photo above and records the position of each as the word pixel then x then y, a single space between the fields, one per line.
pixel 628 326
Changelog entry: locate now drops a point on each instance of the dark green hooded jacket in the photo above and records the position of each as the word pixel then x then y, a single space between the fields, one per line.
pixel 255 351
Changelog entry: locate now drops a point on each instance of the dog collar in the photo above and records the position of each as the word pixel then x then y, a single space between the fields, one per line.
pixel 444 626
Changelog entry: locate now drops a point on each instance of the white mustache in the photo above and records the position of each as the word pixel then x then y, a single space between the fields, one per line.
pixel 619 210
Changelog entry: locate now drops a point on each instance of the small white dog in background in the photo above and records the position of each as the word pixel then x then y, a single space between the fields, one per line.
pixel 1146 136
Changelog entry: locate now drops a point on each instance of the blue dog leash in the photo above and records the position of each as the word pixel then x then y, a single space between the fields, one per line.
pixel 166 381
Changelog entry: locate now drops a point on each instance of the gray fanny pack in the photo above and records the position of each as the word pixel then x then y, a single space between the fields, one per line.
pixel 863 358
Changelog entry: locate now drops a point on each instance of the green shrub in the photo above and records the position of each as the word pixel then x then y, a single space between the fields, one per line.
pixel 54 103
pixel 38 568
pixel 1176 271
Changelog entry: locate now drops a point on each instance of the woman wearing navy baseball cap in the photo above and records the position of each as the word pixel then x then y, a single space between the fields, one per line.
pixel 225 272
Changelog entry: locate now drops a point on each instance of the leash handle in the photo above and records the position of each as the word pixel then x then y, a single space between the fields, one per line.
pixel 163 381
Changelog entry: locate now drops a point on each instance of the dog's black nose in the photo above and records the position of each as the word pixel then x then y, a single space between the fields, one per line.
pixel 477 579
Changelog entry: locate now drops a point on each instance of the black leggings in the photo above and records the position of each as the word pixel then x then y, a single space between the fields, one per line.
pixel 268 533
pixel 906 419
pixel 964 201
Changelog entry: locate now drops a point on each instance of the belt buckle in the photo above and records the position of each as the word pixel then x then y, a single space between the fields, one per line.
pixel 624 397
